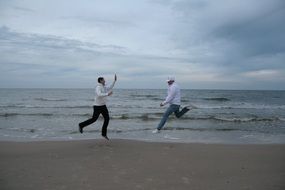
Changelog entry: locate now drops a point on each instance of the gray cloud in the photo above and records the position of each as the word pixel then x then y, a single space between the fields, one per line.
pixel 23 9
pixel 101 21
pixel 37 56
pixel 206 44
pixel 262 34
pixel 232 33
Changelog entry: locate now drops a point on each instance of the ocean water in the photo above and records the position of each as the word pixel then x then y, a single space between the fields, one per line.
pixel 222 116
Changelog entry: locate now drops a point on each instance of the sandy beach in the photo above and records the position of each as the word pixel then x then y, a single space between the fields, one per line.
pixel 127 164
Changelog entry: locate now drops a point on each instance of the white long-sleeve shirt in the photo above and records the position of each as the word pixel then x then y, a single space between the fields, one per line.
pixel 173 95
pixel 101 93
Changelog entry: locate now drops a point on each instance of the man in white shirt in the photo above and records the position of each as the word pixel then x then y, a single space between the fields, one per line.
pixel 174 100
pixel 99 107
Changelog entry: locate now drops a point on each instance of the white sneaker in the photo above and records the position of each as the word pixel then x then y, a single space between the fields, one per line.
pixel 155 131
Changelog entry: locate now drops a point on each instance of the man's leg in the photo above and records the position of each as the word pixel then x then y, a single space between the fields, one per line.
pixel 165 116
pixel 96 113
pixel 105 114
pixel 178 113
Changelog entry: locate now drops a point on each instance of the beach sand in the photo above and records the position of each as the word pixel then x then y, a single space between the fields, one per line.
pixel 129 165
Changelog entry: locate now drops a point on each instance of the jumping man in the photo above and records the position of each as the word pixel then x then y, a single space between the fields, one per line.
pixel 174 100
pixel 99 107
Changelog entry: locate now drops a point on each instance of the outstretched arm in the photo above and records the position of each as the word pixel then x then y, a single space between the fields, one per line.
pixel 113 84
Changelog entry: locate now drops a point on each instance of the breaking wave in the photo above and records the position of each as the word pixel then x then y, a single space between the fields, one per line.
pixel 50 99
pixel 217 99
pixel 153 116
pixel 42 106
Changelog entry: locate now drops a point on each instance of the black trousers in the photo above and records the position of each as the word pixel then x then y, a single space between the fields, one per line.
pixel 97 110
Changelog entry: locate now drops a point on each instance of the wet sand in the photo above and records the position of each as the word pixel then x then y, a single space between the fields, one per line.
pixel 129 165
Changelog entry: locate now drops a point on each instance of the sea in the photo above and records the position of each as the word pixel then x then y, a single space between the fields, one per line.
pixel 220 116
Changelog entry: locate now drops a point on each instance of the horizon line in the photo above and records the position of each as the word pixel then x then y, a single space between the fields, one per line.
pixel 144 88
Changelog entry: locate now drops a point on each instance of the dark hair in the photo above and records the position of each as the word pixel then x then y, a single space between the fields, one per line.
pixel 100 79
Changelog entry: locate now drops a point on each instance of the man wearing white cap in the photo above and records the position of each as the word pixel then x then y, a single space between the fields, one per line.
pixel 174 100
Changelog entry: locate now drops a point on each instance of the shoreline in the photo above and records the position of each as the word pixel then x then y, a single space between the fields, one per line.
pixel 166 139
pixel 132 164
pixel 115 140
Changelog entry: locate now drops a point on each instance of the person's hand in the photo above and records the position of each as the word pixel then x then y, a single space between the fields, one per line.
pixel 115 77
pixel 161 104
pixel 110 93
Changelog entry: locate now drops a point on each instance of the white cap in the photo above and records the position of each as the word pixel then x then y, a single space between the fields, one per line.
pixel 170 78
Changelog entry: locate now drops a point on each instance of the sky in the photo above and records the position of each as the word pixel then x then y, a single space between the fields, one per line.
pixel 205 44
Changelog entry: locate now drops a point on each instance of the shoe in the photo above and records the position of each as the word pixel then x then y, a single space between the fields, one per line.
pixel 155 131
pixel 80 129
pixel 186 108
pixel 105 137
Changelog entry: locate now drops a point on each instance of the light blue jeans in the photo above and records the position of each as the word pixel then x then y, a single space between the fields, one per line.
pixel 172 108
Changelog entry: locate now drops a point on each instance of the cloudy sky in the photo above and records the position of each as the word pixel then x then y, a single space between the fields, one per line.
pixel 205 44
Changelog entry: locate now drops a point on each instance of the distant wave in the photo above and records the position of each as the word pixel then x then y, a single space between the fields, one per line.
pixel 147 96
pixel 44 114
pixel 217 99
pixel 45 106
pixel 50 99
pixel 142 95
pixel 240 107
pixel 144 117
pixel 24 114
pixel 245 119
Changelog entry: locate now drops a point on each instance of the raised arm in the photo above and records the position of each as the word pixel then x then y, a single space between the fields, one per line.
pixel 113 84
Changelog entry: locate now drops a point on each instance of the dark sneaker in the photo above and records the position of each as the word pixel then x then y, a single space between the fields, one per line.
pixel 80 129
pixel 186 108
